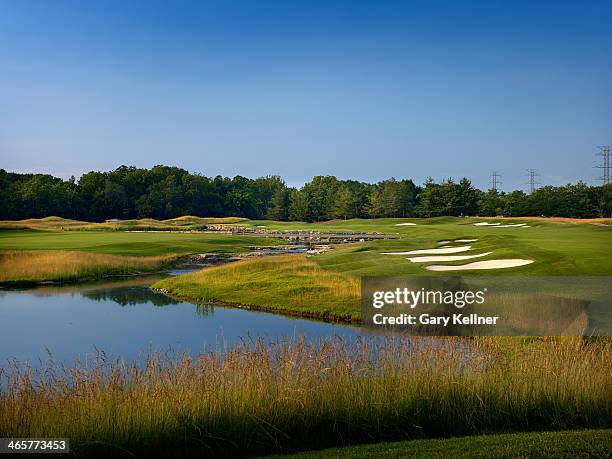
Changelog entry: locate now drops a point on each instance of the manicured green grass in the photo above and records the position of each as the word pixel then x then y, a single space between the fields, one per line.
pixel 568 444
pixel 556 248
pixel 293 396
pixel 128 243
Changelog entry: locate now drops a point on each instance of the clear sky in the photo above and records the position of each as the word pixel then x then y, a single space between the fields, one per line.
pixel 357 89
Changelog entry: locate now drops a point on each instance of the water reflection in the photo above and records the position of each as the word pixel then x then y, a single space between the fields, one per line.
pixel 126 320
pixel 130 296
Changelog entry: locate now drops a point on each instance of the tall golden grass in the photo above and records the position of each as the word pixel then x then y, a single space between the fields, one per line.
pixel 56 265
pixel 292 284
pixel 285 396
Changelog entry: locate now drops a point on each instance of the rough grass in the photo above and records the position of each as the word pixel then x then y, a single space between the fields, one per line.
pixel 292 396
pixel 290 284
pixel 184 223
pixel 60 266
pixel 569 443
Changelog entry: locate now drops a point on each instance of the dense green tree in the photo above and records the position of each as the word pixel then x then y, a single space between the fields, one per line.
pixel 321 195
pixel 467 198
pixel 265 189
pixel 432 201
pixel 515 204
pixel 279 205
pixel 166 192
pixel 491 203
pixel 298 205
pixel 374 208
pixel 347 203
pixel 603 197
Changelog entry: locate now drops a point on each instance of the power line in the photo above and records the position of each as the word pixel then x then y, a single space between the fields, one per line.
pixel 495 180
pixel 532 174
pixel 605 153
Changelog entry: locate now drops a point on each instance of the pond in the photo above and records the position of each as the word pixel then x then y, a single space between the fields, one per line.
pixel 126 319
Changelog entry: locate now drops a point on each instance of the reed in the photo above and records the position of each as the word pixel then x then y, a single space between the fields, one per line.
pixel 67 266
pixel 287 396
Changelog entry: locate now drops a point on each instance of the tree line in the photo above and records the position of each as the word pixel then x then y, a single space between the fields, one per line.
pixel 164 192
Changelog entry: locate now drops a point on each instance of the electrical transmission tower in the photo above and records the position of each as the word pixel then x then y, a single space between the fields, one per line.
pixel 495 180
pixel 532 174
pixel 605 153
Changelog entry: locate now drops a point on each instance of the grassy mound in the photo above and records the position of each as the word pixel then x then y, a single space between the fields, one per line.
pixel 290 284
pixel 185 223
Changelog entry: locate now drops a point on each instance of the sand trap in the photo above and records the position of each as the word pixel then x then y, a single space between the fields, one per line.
pixel 439 251
pixel 457 240
pixel 487 264
pixel 260 226
pixel 499 225
pixel 405 224
pixel 447 257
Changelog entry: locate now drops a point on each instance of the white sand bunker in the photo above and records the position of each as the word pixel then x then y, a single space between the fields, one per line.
pixel 444 242
pixel 405 224
pixel 487 264
pixel 499 225
pixel 447 257
pixel 439 251
pixel 465 240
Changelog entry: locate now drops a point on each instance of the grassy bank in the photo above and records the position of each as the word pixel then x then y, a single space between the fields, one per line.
pixel 61 266
pixel 290 284
pixel 572 443
pixel 258 399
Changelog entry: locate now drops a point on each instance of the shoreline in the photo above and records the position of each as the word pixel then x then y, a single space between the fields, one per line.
pixel 74 267
pixel 333 318
pixel 25 284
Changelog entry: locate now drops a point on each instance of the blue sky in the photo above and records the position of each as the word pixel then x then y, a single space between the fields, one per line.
pixel 363 90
